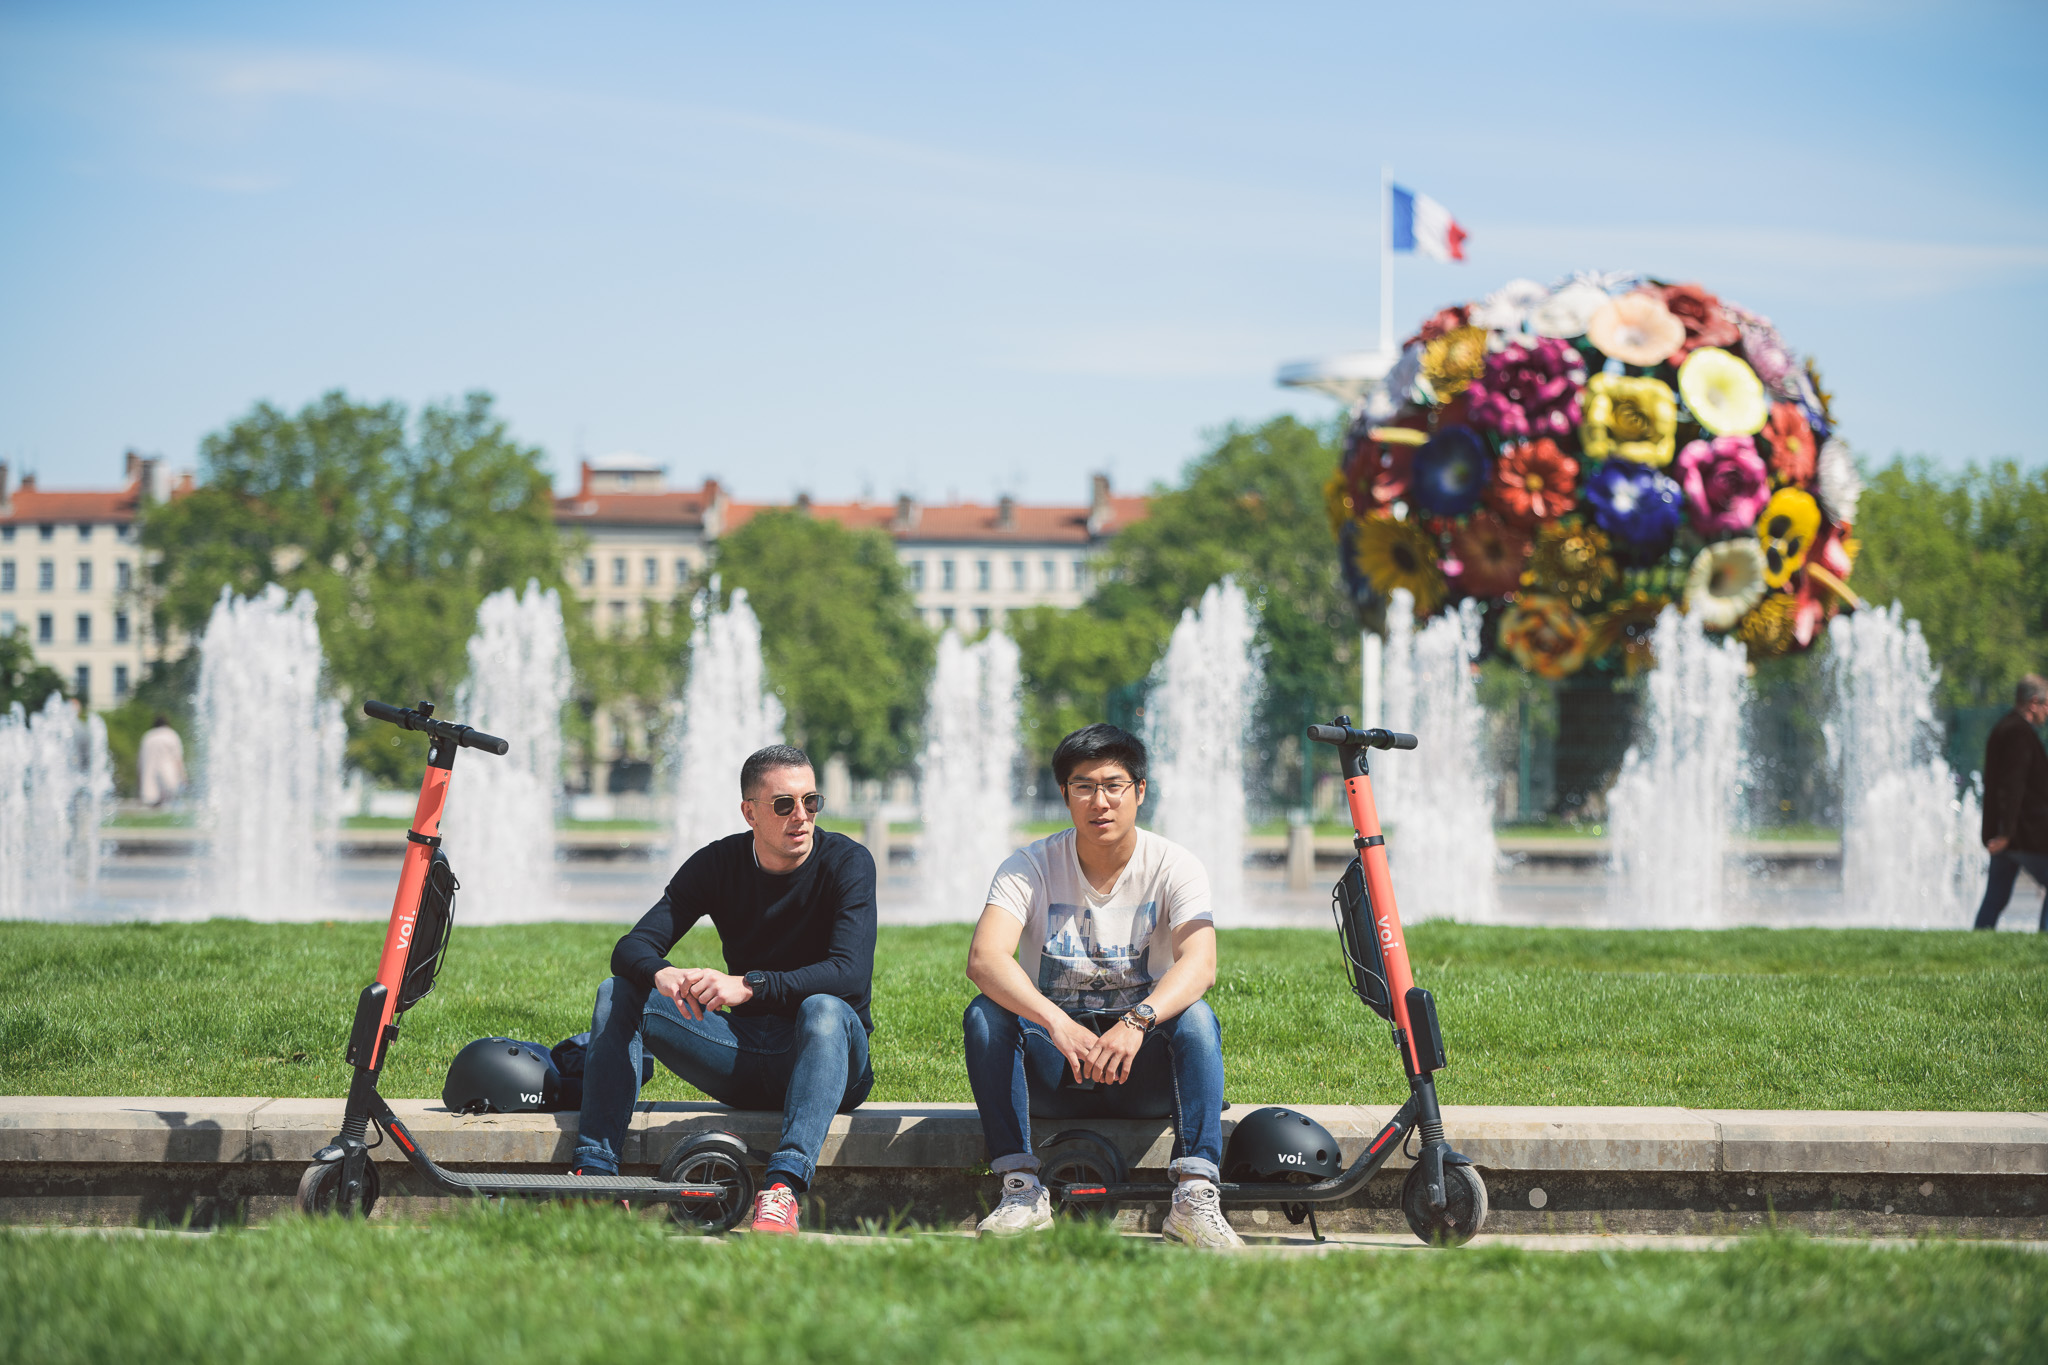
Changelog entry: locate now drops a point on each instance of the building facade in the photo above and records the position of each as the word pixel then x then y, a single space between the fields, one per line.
pixel 634 544
pixel 71 578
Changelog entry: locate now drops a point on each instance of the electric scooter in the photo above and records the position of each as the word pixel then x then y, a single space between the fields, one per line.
pixel 1443 1197
pixel 704 1183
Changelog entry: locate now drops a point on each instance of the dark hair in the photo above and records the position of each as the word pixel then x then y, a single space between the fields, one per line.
pixel 764 761
pixel 1093 744
pixel 162 721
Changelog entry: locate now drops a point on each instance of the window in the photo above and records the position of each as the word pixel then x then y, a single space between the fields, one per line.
pixel 7 534
pixel 46 531
pixel 84 623
pixel 6 575
pixel 981 618
pixel 85 575
pixel 916 567
pixel 124 575
pixel 984 572
pixel 1051 569
pixel 46 628
pixel 46 574
pixel 589 572
pixel 120 682
pixel 1081 574
pixel 682 572
pixel 85 530
pixel 124 532
pixel 7 623
pixel 81 683
pixel 120 635
pixel 650 572
pixel 946 575
pixel 619 571
pixel 1020 575
pixel 945 616
pixel 619 616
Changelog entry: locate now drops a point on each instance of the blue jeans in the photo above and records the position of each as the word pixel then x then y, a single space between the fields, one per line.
pixel 809 1067
pixel 2005 871
pixel 1016 1072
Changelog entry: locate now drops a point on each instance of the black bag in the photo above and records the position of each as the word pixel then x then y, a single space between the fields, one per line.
pixel 430 931
pixel 1352 906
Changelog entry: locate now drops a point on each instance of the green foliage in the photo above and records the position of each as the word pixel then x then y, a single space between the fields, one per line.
pixel 1073 661
pixel 398 533
pixel 1966 555
pixel 22 679
pixel 845 648
pixel 490 1284
pixel 1738 1019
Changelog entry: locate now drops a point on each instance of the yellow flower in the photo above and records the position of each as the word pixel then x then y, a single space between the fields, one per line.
pixel 1785 532
pixel 1571 562
pixel 1545 636
pixel 1629 417
pixel 1767 629
pixel 1399 554
pixel 1723 393
pixel 1452 361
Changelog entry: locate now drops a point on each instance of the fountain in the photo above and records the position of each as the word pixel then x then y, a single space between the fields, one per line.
pixel 501 833
pixel 968 773
pixel 1911 855
pixel 727 715
pixel 270 746
pixel 55 778
pixel 1672 813
pixel 1437 801
pixel 1197 721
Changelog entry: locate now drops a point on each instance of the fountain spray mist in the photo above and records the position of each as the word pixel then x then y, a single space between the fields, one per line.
pixel 967 773
pixel 1198 718
pixel 55 781
pixel 270 744
pixel 728 713
pixel 500 830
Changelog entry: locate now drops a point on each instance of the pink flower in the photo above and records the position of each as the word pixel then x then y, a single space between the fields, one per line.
pixel 1529 390
pixel 1726 485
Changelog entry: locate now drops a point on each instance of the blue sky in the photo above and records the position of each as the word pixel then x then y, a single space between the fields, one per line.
pixel 971 250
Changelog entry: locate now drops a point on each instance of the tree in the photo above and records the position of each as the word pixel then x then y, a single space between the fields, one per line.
pixel 1074 663
pixel 845 648
pixel 398 534
pixel 22 679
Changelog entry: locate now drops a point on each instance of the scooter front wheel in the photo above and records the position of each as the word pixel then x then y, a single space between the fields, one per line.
pixel 320 1190
pixel 1464 1211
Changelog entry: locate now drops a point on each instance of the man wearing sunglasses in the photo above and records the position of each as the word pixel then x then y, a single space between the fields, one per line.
pixel 1100 1015
pixel 786 1024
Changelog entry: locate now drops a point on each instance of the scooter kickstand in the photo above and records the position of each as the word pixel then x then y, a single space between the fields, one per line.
pixel 1313 1230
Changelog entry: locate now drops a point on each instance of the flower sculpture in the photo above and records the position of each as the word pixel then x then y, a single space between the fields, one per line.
pixel 1726 485
pixel 1529 390
pixel 1576 457
pixel 1629 419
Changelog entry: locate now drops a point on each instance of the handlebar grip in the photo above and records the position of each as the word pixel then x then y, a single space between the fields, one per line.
pixel 383 710
pixel 1402 741
pixel 1322 734
pixel 490 744
pixel 1362 739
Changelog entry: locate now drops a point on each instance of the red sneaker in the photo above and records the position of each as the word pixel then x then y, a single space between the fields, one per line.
pixel 775 1210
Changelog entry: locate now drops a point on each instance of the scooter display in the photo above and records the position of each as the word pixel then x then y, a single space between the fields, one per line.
pixel 1443 1196
pixel 704 1183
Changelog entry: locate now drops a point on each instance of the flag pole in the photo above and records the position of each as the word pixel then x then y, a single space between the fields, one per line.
pixel 1386 260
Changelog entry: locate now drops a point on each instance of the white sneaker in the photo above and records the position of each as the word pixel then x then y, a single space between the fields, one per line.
pixel 1197 1219
pixel 1026 1207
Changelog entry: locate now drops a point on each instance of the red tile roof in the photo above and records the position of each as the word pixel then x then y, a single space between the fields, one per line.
pixel 635 509
pixel 966 521
pixel 31 504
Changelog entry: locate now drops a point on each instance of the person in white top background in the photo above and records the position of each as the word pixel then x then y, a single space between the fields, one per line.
pixel 160 764
pixel 1092 957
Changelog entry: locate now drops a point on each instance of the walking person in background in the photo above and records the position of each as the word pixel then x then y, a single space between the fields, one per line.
pixel 160 764
pixel 2016 801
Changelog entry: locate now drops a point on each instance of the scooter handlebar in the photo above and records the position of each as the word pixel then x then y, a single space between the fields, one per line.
pixel 408 719
pixel 1344 735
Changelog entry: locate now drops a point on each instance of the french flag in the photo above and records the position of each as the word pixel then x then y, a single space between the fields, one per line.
pixel 1421 224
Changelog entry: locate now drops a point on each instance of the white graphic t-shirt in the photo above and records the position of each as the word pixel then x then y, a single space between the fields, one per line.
pixel 1093 951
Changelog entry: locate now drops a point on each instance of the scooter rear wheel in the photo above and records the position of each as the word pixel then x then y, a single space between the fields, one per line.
pixel 710 1159
pixel 1464 1211
pixel 320 1190
pixel 1081 1157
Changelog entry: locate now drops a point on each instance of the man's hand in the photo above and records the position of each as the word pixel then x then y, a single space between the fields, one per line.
pixel 1075 1043
pixel 674 982
pixel 1998 843
pixel 714 990
pixel 1114 1051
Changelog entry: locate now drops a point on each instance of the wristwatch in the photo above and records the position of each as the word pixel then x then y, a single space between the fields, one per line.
pixel 756 981
pixel 1141 1018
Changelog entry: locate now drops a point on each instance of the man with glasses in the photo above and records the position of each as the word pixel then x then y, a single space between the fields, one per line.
pixel 786 1024
pixel 1101 1013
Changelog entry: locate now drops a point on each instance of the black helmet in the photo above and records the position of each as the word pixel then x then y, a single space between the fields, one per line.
pixel 1281 1144
pixel 502 1076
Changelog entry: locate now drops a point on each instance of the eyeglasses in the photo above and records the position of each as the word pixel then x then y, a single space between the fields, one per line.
pixel 1081 789
pixel 786 805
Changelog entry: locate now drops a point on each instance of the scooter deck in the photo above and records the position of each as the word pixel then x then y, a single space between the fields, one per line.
pixel 581 1186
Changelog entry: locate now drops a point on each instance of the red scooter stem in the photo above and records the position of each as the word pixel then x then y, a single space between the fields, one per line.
pixel 412 878
pixel 1386 917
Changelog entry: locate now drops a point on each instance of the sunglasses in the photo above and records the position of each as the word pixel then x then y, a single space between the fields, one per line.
pixel 786 805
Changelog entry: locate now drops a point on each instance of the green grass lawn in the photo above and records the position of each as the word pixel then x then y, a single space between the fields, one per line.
pixel 1806 1019
pixel 567 1283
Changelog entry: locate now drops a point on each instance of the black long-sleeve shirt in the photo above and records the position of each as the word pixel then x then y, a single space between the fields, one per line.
pixel 2016 785
pixel 811 931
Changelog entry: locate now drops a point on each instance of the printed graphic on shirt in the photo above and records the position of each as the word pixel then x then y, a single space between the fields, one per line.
pixel 1080 974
